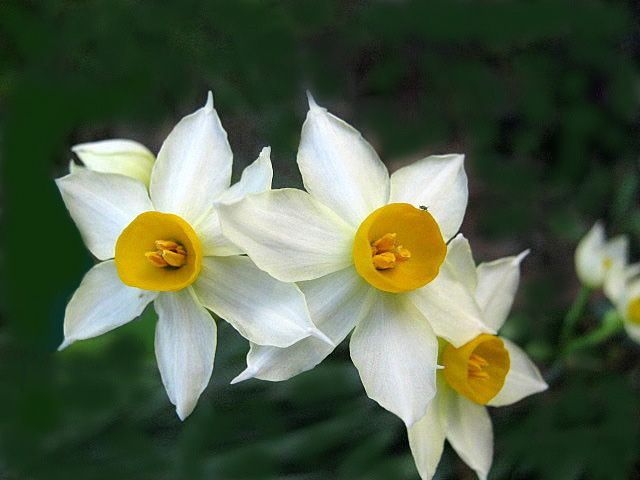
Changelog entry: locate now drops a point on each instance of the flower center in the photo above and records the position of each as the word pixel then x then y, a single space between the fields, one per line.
pixel 398 248
pixel 607 263
pixel 478 369
pixel 159 252
pixel 633 311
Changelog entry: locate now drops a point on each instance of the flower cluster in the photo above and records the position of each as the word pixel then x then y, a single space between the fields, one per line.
pixel 295 272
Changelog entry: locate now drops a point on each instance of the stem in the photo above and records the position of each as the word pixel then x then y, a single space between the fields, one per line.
pixel 611 324
pixel 574 314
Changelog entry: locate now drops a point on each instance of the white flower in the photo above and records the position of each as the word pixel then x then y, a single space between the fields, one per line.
pixel 622 287
pixel 125 157
pixel 488 370
pixel 596 256
pixel 165 245
pixel 366 255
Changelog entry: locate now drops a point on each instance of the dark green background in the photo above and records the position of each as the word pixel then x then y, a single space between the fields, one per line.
pixel 542 96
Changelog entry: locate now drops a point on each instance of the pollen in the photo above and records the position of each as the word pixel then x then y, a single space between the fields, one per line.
pixel 633 311
pixel 607 263
pixel 398 248
pixel 167 254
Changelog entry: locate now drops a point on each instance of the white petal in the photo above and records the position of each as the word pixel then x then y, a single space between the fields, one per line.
pixel 631 292
pixel 617 279
pixel 288 234
pixel 523 379
pixel 339 167
pixel 448 305
pixel 633 330
pixel 588 257
pixel 438 182
pixel 395 352
pixel 337 302
pixel 102 205
pixel 212 240
pixel 185 347
pixel 470 433
pixel 124 157
pixel 101 303
pixel 460 260
pixel 193 166
pixel 255 178
pixel 497 285
pixel 426 439
pixel 263 309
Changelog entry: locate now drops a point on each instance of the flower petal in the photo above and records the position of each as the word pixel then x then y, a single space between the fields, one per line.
pixel 426 439
pixel 185 347
pixel 212 240
pixel 447 303
pixel 193 166
pixel 255 178
pixel 589 257
pixel 101 303
pixel 438 182
pixel 460 259
pixel 523 379
pixel 497 285
pixel 102 205
pixel 395 352
pixel 337 302
pixel 124 157
pixel 339 167
pixel 263 309
pixel 470 433
pixel 617 279
pixel 288 234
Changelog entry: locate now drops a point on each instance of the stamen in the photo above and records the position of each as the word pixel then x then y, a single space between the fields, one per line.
pixel 476 366
pixel 607 263
pixel 386 253
pixel 168 254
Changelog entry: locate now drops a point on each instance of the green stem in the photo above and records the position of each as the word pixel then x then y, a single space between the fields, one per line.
pixel 574 314
pixel 611 324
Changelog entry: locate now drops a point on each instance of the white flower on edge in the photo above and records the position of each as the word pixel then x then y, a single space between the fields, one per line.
pixel 595 256
pixel 622 287
pixel 165 245
pixel 488 370
pixel 366 255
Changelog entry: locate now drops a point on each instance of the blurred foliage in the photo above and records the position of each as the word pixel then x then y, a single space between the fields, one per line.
pixel 541 95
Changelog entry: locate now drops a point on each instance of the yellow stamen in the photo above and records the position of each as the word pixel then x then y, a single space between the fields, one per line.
pixel 607 263
pixel 477 370
pixel 633 311
pixel 159 252
pixel 398 248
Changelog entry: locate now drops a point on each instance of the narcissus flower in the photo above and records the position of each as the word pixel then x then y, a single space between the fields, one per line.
pixel 622 287
pixel 596 256
pixel 370 251
pixel 165 245
pixel 488 370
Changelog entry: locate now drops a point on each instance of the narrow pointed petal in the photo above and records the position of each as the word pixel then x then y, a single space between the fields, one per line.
pixel 193 166
pixel 460 259
pixel 497 285
pixel 523 379
pixel 447 303
pixel 101 303
pixel 588 257
pixel 288 234
pixel 212 240
pixel 395 352
pixel 337 302
pixel 124 157
pixel 102 205
pixel 339 167
pixel 470 433
pixel 426 439
pixel 185 347
pixel 256 178
pixel 438 182
pixel 264 310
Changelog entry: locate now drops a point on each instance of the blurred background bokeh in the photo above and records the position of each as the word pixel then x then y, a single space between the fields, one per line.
pixel 541 95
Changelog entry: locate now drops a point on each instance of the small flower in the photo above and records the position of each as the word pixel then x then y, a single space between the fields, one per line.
pixel 165 245
pixel 596 256
pixel 125 157
pixel 622 287
pixel 488 370
pixel 369 252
